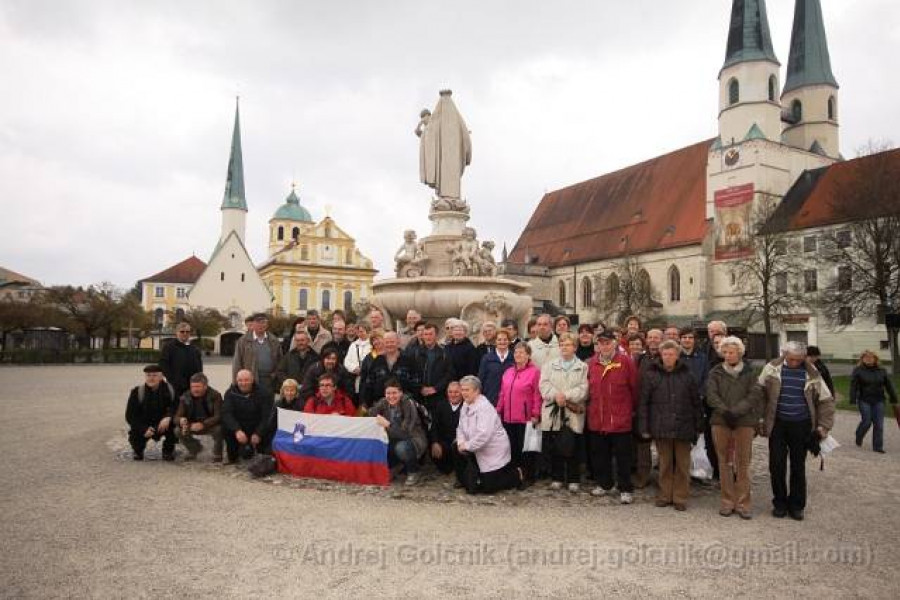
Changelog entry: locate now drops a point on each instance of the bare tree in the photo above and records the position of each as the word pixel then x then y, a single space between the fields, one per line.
pixel 628 291
pixel 767 279
pixel 865 249
pixel 206 322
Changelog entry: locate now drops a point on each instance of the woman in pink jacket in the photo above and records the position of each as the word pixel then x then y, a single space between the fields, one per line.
pixel 519 404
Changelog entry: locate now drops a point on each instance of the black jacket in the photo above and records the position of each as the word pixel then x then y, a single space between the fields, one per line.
pixel 670 405
pixel 293 366
pixel 178 362
pixel 310 384
pixel 192 409
pixel 868 384
pixel 826 375
pixel 148 411
pixel 444 422
pixel 377 372
pixel 439 372
pixel 249 413
pixel 464 357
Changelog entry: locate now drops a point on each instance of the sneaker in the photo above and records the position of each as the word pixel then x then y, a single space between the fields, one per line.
pixel 574 487
pixel 556 485
pixel 626 498
pixel 412 479
pixel 598 492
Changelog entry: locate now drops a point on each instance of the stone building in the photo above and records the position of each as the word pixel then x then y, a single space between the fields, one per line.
pixel 675 225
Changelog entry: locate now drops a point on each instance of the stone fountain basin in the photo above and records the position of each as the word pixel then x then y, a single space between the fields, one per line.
pixel 473 299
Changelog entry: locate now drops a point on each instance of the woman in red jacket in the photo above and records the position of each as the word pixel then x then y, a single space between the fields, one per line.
pixel 612 401
pixel 519 403
pixel 329 400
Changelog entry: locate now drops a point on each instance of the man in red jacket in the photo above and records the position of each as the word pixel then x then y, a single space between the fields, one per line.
pixel 613 398
pixel 329 400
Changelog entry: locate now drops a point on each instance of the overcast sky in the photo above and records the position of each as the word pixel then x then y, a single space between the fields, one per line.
pixel 116 117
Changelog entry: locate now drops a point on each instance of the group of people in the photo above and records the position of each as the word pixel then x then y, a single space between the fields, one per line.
pixel 597 398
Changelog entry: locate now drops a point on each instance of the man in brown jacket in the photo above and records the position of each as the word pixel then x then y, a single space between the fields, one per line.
pixel 199 412
pixel 797 408
pixel 258 352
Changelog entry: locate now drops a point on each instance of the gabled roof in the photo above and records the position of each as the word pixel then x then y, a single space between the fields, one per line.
pixel 809 62
pixel 749 38
pixel 8 276
pixel 826 196
pixel 660 203
pixel 187 271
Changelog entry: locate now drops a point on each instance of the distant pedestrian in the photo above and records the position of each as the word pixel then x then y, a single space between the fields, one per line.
pixel 814 357
pixel 868 385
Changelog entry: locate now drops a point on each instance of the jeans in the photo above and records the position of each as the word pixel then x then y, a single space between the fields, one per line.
pixel 788 441
pixel 604 448
pixel 872 415
pixel 404 451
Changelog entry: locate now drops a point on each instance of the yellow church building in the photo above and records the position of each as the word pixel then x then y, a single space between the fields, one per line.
pixel 313 265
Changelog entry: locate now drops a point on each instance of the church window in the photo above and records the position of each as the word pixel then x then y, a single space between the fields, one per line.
pixel 160 291
pixel 304 299
pixel 643 285
pixel 797 111
pixel 562 293
pixel 734 91
pixel 348 301
pixel 242 277
pixel 832 109
pixel 587 293
pixel 280 233
pixel 295 233
pixel 773 87
pixel 612 290
pixel 222 276
pixel 326 299
pixel 674 284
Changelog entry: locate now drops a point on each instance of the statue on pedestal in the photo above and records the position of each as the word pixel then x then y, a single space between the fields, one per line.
pixel 410 258
pixel 445 149
pixel 487 266
pixel 464 254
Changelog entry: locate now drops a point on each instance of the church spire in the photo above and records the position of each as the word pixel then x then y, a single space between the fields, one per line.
pixel 748 36
pixel 234 183
pixel 809 63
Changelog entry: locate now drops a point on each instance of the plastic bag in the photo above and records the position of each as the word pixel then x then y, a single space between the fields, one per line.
pixel 828 445
pixel 700 465
pixel 532 438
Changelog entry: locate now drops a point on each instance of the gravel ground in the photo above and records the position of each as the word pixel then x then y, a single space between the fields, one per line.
pixel 80 519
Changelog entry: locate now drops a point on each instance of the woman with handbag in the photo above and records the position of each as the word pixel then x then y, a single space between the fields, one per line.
pixel 519 405
pixel 564 389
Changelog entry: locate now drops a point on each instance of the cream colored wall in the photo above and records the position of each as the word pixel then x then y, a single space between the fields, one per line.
pixel 169 302
pixel 753 106
pixel 234 219
pixel 211 291
pixel 815 124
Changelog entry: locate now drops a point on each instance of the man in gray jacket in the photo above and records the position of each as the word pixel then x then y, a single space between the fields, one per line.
pixel 258 352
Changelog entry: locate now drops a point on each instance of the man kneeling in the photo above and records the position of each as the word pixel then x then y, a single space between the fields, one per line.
pixel 149 413
pixel 399 416
pixel 245 418
pixel 199 412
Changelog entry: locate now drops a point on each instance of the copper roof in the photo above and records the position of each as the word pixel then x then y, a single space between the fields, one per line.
pixel 657 204
pixel 840 193
pixel 187 271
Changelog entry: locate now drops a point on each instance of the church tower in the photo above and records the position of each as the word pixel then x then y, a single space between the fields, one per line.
pixel 748 81
pixel 810 94
pixel 234 202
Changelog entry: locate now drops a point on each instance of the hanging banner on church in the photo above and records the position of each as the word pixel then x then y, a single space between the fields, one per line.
pixel 733 217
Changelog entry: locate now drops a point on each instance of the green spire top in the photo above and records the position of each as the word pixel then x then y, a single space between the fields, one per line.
pixel 234 183
pixel 809 63
pixel 748 36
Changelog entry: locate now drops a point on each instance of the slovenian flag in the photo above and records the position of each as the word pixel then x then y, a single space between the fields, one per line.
pixel 353 449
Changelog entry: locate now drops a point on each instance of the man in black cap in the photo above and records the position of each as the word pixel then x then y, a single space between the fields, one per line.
pixel 259 352
pixel 149 413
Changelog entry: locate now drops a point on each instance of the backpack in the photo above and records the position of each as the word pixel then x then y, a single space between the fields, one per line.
pixel 262 465
pixel 424 415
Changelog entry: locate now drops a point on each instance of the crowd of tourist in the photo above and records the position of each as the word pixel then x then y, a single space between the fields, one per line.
pixel 519 407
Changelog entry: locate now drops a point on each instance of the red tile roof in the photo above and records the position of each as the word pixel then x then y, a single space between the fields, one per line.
pixel 187 271
pixel 657 204
pixel 841 193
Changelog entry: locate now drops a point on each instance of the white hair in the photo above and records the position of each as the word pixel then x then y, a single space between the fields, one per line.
pixel 793 348
pixel 458 323
pixel 718 325
pixel 471 381
pixel 733 341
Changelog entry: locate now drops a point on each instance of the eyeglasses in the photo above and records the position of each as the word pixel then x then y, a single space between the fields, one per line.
pixel 323 384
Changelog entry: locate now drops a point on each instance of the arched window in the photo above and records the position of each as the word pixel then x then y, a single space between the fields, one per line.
pixel 326 299
pixel 280 233
pixel 587 293
pixel 303 299
pixel 304 252
pixel 797 111
pixel 643 284
pixel 674 284
pixel 734 91
pixel 179 315
pixel 773 87
pixel 295 233
pixel 348 301
pixel 159 317
pixel 832 109
pixel 562 293
pixel 612 290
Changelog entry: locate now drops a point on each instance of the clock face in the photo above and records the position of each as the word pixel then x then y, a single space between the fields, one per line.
pixel 732 157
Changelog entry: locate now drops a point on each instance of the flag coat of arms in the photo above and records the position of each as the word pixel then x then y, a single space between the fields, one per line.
pixel 352 449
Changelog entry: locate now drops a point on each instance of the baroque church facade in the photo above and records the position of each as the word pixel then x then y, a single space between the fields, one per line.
pixel 677 224
pixel 309 266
